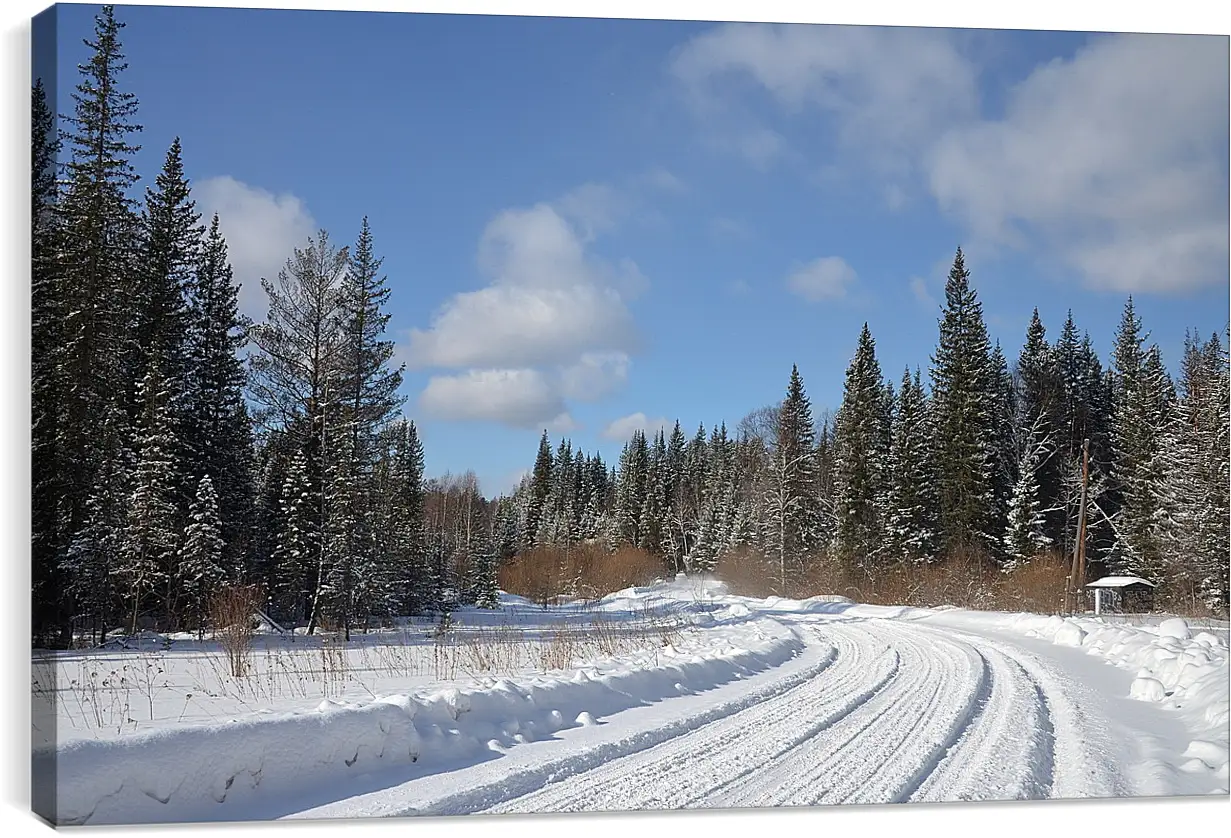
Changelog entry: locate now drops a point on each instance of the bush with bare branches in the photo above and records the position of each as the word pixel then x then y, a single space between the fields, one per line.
pixel 233 615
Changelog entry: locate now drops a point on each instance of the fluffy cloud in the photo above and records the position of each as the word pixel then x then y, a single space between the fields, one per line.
pixel 262 230
pixel 1115 160
pixel 552 324
pixel 523 398
pixel 887 87
pixel 548 303
pixel 622 429
pixel 828 278
pixel 1111 163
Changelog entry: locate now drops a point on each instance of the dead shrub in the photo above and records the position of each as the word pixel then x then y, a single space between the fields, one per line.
pixel 600 573
pixel 233 617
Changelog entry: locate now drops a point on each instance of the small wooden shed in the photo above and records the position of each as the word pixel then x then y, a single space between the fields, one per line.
pixel 1124 594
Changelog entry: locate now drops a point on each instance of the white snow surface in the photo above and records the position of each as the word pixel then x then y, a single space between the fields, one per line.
pixel 746 702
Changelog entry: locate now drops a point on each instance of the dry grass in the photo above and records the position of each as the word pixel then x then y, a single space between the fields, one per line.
pixel 584 571
pixel 233 617
pixel 963 580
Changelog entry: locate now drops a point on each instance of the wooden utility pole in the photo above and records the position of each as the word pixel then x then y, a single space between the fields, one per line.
pixel 1078 575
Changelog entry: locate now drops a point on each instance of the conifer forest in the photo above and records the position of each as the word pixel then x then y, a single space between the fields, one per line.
pixel 182 452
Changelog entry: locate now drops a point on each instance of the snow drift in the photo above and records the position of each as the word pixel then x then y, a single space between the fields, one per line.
pixel 202 772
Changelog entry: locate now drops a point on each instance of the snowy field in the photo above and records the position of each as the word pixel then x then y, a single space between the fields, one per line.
pixel 676 695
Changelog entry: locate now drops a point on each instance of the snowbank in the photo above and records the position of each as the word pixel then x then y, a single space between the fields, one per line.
pixel 1172 666
pixel 187 773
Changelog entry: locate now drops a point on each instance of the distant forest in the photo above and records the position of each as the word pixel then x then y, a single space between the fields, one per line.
pixel 180 451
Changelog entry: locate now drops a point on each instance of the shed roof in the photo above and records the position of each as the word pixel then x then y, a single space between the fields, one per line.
pixel 1119 582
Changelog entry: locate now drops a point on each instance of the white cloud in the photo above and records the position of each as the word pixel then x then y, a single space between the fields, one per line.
pixel 523 398
pixel 594 375
pixel 1111 163
pixel 828 278
pixel 622 429
pixel 1115 160
pixel 549 301
pixel 888 87
pixel 262 230
pixel 551 326
pixel 594 207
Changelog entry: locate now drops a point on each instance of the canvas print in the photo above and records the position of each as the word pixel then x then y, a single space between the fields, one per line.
pixel 452 414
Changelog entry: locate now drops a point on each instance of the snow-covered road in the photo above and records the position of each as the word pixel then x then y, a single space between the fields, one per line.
pixel 761 703
pixel 876 710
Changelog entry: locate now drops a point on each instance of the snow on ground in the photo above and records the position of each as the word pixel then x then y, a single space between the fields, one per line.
pixel 668 696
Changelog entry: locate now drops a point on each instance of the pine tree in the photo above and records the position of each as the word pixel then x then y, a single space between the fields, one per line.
pixel 95 271
pixel 95 550
pixel 296 377
pixel 654 505
pixel 408 547
pixel 1025 535
pixel 964 395
pixel 217 429
pixel 861 454
pixel 487 592
pixel 297 550
pixel 47 379
pixel 632 481
pixel 1142 394
pixel 793 525
pixel 911 527
pixel 540 486
pixel 148 552
pixel 201 566
pixel 1041 403
pixel 170 253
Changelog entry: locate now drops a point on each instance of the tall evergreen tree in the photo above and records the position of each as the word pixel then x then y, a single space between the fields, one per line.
pixel 861 458
pixel 96 267
pixel 296 375
pixel 793 525
pixel 540 487
pixel 1040 415
pixel 1142 394
pixel 148 555
pixel 47 378
pixel 169 256
pixel 964 395
pixel 217 428
pixel 912 507
pixel 201 555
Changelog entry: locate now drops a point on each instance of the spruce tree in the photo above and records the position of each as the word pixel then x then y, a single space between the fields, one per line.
pixel 201 563
pixel 964 398
pixel 95 270
pixel 540 487
pixel 217 429
pixel 47 379
pixel 296 552
pixel 1142 394
pixel 912 507
pixel 148 554
pixel 861 455
pixel 793 525
pixel 170 254
pixel 1026 531
pixel 1040 413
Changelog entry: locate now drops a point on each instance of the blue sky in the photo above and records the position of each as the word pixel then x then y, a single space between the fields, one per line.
pixel 591 225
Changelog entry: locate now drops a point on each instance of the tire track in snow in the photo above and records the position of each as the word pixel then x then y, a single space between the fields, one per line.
pixel 871 755
pixel 675 773
pixel 527 780
pixel 1006 752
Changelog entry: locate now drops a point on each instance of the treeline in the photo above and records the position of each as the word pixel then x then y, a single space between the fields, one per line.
pixel 983 466
pixel 178 448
